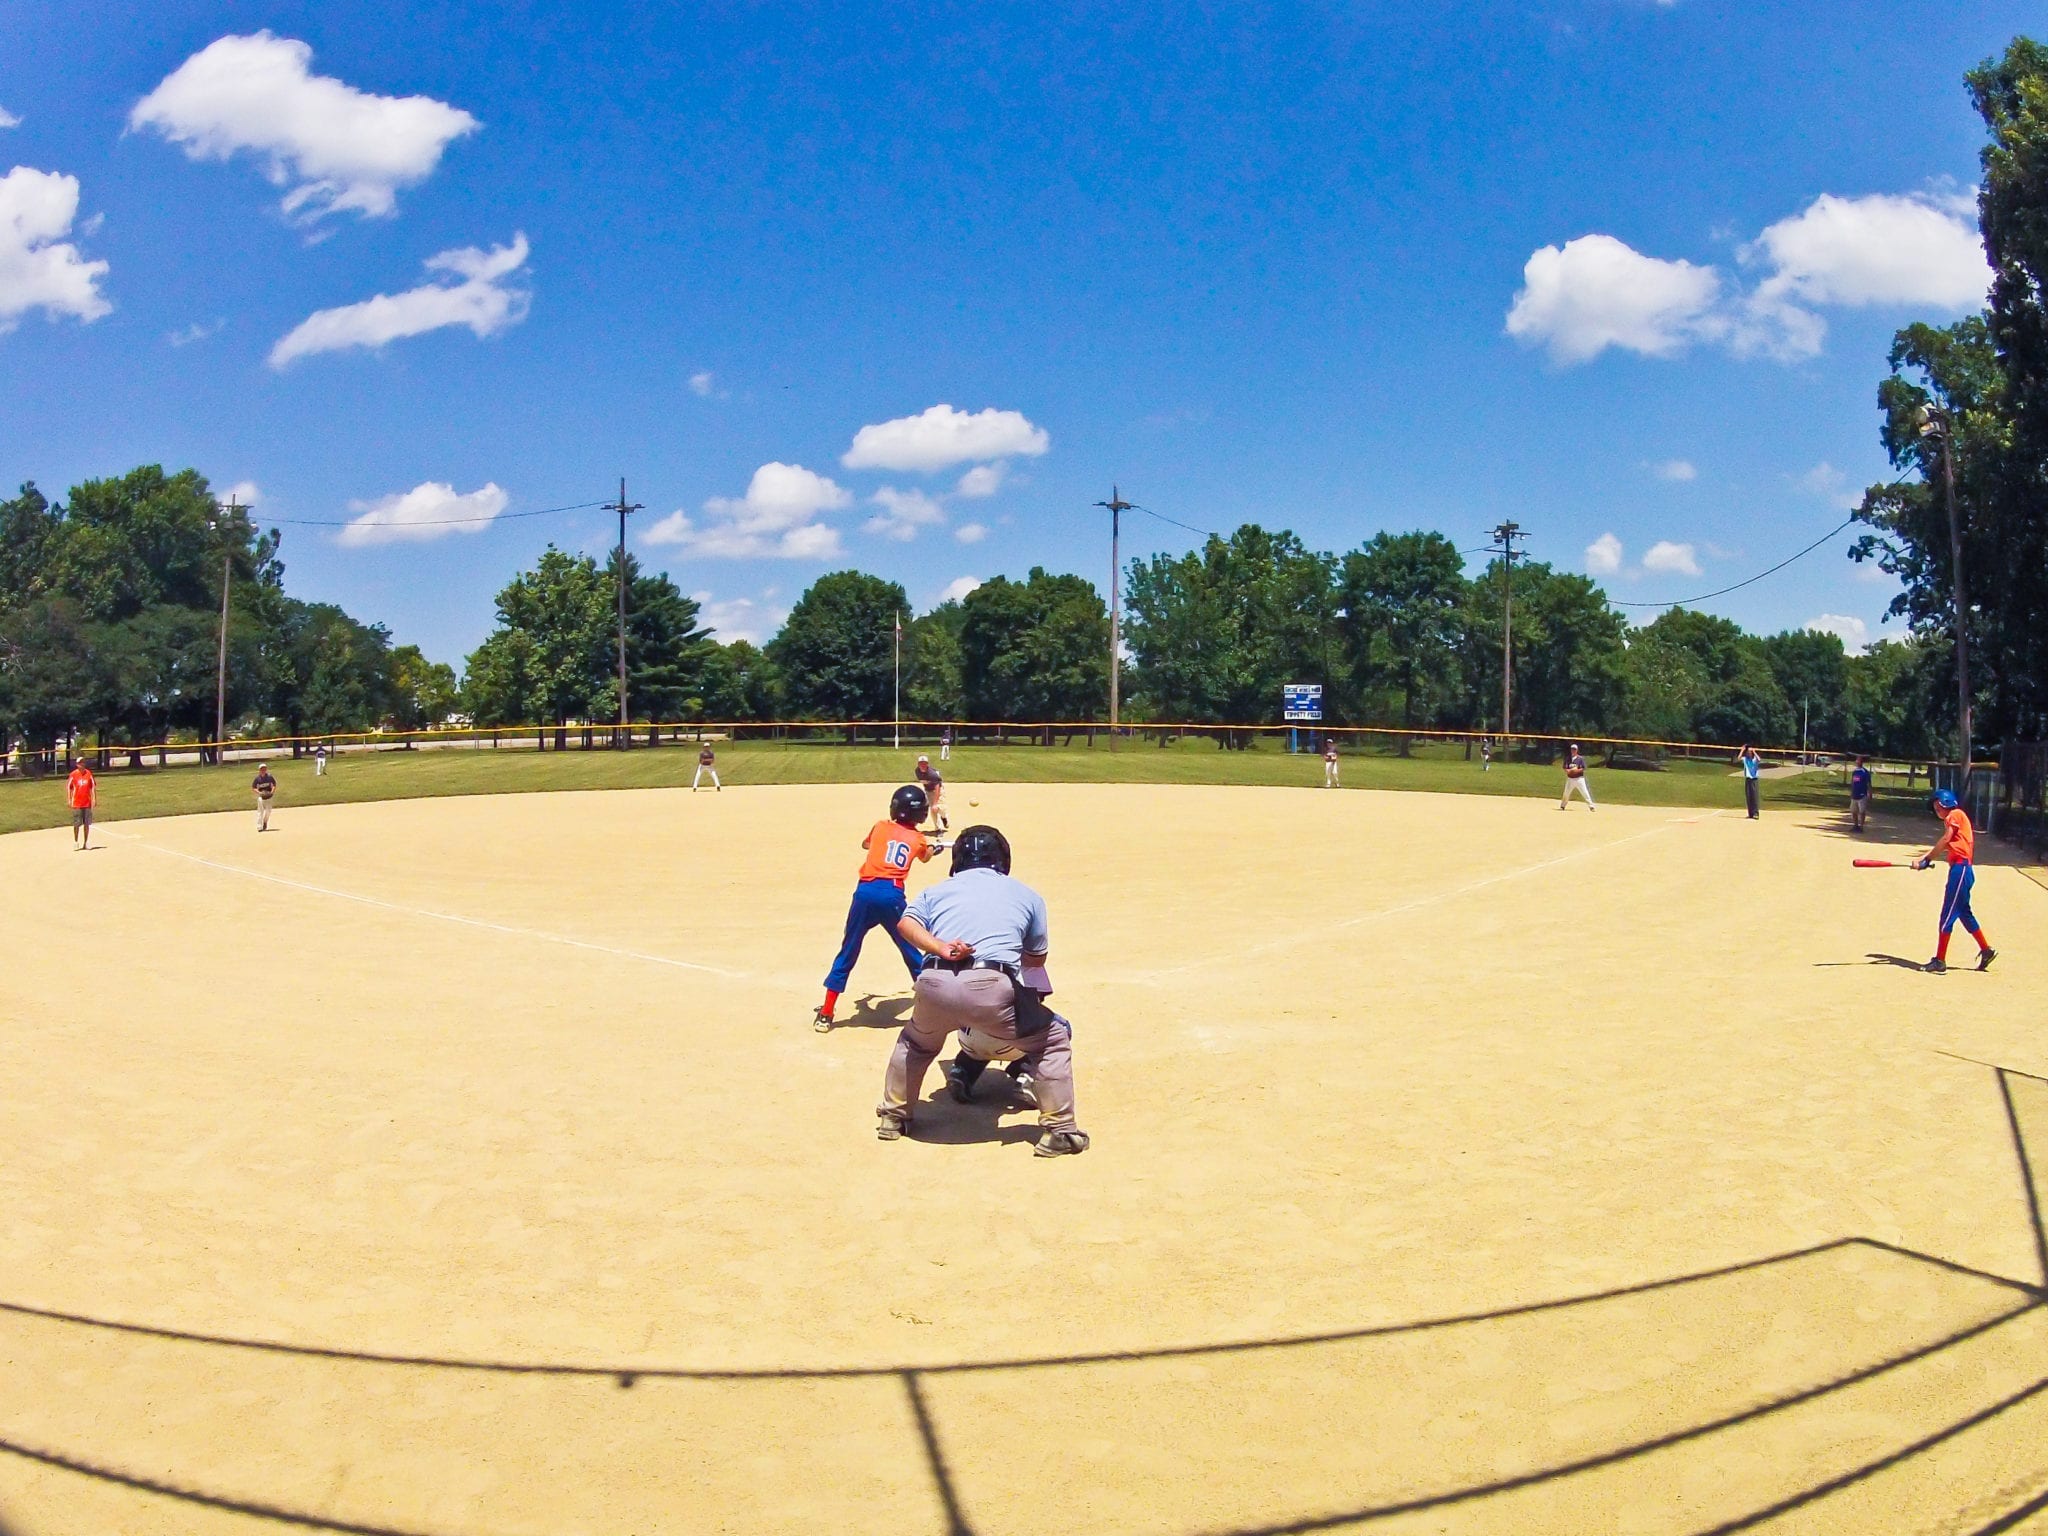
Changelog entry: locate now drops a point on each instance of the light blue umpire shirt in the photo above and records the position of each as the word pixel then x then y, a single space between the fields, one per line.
pixel 1003 918
pixel 1751 767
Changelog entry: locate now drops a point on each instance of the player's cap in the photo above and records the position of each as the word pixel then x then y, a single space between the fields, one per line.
pixel 922 758
pixel 1946 799
pixel 908 805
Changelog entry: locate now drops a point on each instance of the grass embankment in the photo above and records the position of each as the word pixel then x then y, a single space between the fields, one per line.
pixel 397 775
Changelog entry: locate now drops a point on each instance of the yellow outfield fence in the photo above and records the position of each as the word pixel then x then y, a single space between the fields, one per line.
pixel 594 735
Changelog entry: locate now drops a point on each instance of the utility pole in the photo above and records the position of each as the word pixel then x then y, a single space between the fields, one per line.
pixel 1504 537
pixel 1937 424
pixel 1117 508
pixel 896 657
pixel 220 675
pixel 624 509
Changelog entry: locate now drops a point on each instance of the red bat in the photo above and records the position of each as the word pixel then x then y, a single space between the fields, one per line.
pixel 1880 864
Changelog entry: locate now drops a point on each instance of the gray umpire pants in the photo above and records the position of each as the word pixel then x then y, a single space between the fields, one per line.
pixel 982 1008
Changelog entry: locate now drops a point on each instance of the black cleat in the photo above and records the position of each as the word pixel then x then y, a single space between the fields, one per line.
pixel 1985 957
pixel 821 1021
pixel 1936 967
pixel 962 1073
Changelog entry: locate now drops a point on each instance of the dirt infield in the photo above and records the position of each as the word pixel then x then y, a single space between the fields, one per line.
pixel 464 1167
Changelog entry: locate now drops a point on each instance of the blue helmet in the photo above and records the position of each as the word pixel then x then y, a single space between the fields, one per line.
pixel 1945 799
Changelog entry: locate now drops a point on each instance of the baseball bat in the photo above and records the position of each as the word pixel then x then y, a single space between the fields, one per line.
pixel 1880 864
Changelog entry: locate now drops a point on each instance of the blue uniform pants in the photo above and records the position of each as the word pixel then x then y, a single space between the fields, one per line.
pixel 1955 901
pixel 876 904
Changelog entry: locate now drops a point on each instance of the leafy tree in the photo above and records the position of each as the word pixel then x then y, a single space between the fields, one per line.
pixel 1569 650
pixel 1035 650
pixel 1890 688
pixel 1403 604
pixel 423 693
pixel 665 650
pixel 501 684
pixel 1749 706
pixel 836 651
pixel 933 689
pixel 740 683
pixel 1664 688
pixel 559 669
pixel 1812 670
pixel 1218 633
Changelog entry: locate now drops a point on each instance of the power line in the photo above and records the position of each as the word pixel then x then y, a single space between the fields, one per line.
pixel 432 522
pixel 1679 602
pixel 1206 533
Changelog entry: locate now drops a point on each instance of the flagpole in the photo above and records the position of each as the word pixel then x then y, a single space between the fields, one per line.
pixel 897 653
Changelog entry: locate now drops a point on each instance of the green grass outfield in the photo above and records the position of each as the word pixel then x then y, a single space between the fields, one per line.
pixel 394 774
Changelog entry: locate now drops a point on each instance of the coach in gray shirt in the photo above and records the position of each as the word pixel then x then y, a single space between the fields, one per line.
pixel 984 931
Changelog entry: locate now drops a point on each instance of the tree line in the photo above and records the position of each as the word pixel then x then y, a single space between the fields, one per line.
pixel 109 619
pixel 1967 404
pixel 110 609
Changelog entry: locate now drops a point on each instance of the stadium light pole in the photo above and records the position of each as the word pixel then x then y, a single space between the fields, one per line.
pixel 1117 508
pixel 220 526
pixel 624 509
pixel 1937 425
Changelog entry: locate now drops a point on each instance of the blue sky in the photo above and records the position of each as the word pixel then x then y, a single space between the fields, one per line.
pixel 1247 262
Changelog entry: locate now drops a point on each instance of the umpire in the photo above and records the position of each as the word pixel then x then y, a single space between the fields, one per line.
pixel 982 930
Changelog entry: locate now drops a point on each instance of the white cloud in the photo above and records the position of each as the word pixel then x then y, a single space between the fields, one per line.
pixel 971 533
pixel 740 618
pixel 982 480
pixel 1672 559
pixel 777 518
pixel 8 119
pixel 704 385
pixel 482 300
pixel 198 330
pixel 1876 250
pixel 430 510
pixel 39 268
pixel 942 436
pixel 958 588
pixel 903 513
pixel 333 147
pixel 1854 633
pixel 1830 485
pixel 1603 556
pixel 1678 471
pixel 245 491
pixel 1595 293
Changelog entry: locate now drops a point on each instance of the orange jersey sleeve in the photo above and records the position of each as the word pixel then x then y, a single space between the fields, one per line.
pixel 1962 838
pixel 892 849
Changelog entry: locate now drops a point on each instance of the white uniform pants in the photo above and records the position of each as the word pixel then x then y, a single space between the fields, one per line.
pixel 263 813
pixel 319 767
pixel 945 750
pixel 1578 786
pixel 698 777
pixel 1329 775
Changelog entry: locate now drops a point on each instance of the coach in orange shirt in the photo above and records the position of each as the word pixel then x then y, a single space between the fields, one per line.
pixel 84 795
pixel 892 847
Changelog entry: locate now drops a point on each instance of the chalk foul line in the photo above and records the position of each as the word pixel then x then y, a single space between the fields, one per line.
pixel 1315 935
pixel 457 918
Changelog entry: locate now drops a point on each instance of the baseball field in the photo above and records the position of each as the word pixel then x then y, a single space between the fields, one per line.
pixel 468 1167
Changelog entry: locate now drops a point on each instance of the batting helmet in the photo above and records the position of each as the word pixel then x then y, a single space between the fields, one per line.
pixel 1945 799
pixel 908 805
pixel 981 848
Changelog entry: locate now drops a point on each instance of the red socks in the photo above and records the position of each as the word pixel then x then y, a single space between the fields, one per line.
pixel 1941 949
pixel 1982 942
pixel 831 1002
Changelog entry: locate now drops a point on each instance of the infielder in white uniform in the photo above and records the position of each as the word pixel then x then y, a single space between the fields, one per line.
pixel 1575 780
pixel 706 759
pixel 1329 762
